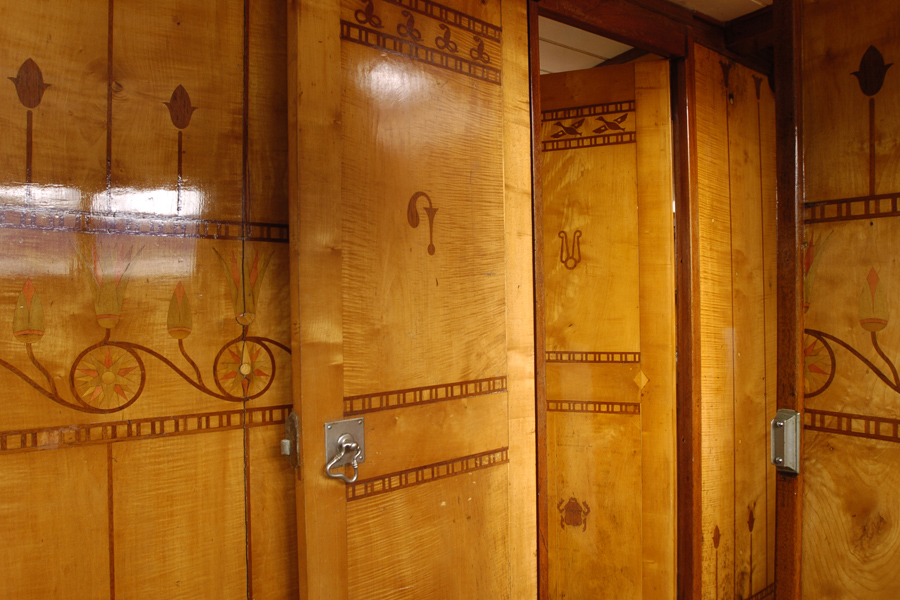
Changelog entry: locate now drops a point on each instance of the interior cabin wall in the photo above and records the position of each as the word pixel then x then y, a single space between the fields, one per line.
pixel 851 146
pixel 737 261
pixel 143 227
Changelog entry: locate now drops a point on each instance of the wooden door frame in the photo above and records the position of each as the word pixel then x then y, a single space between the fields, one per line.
pixel 789 183
pixel 670 31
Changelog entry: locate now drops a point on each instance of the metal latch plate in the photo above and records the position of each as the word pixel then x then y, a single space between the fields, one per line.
pixel 333 432
pixel 290 445
pixel 786 441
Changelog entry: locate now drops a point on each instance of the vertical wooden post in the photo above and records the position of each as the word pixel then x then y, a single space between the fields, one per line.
pixel 539 335
pixel 789 123
pixel 687 277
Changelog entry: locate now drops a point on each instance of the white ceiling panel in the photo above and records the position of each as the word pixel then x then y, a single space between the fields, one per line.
pixel 724 10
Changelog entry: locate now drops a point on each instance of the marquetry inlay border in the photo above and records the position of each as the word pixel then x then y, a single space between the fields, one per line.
pixel 86 434
pixel 367 488
pixel 366 403
pixel 569 356
pixel 571 128
pixel 854 425
pixel 852 209
pixel 578 406
pixel 74 221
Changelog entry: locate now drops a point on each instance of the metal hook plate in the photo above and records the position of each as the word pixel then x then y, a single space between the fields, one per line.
pixel 335 456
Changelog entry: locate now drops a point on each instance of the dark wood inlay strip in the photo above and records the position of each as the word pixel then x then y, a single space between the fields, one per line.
pixel 577 406
pixel 587 111
pixel 878 206
pixel 396 45
pixel 366 403
pixel 854 425
pixel 86 434
pixel 591 141
pixel 452 17
pixel 48 219
pixel 366 488
pixel 568 356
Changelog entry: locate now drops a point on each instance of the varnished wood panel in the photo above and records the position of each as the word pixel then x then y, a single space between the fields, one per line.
pixel 56 140
pixel 42 546
pixel 202 517
pixel 437 552
pixel 850 343
pixel 165 47
pixel 273 530
pixel 131 319
pixel 737 320
pixel 414 295
pixel 609 275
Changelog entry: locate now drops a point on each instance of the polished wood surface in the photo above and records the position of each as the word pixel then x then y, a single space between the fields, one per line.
pixel 850 500
pixel 610 331
pixel 736 262
pixel 143 220
pixel 415 296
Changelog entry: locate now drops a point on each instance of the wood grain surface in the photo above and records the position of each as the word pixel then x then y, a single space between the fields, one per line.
pixel 147 366
pixel 413 292
pixel 737 248
pixel 850 348
pixel 610 336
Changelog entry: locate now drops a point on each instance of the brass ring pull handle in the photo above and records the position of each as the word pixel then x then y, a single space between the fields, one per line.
pixel 346 446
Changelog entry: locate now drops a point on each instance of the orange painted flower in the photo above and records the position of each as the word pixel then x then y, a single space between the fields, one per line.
pixel 180 321
pixel 245 282
pixel 873 309
pixel 109 275
pixel 28 319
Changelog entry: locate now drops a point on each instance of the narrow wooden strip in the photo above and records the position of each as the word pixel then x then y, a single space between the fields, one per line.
pixel 86 434
pixel 366 488
pixel 451 17
pixel 853 425
pixel 366 403
pixel 570 356
pixel 576 406
pixel 878 206
pixel 592 141
pixel 591 110
pixel 401 47
pixel 49 219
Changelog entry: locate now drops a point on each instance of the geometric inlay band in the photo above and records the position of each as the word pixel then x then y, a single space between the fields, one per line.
pixel 403 47
pixel 367 488
pixel 366 403
pixel 575 406
pixel 852 209
pixel 77 221
pixel 875 428
pixel 87 434
pixel 593 110
pixel 591 141
pixel 566 356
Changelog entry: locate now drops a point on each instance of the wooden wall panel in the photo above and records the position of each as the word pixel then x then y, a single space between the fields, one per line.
pixel 148 363
pixel 735 116
pixel 65 150
pixel 199 514
pixel 610 333
pixel 189 55
pixel 55 505
pixel 851 340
